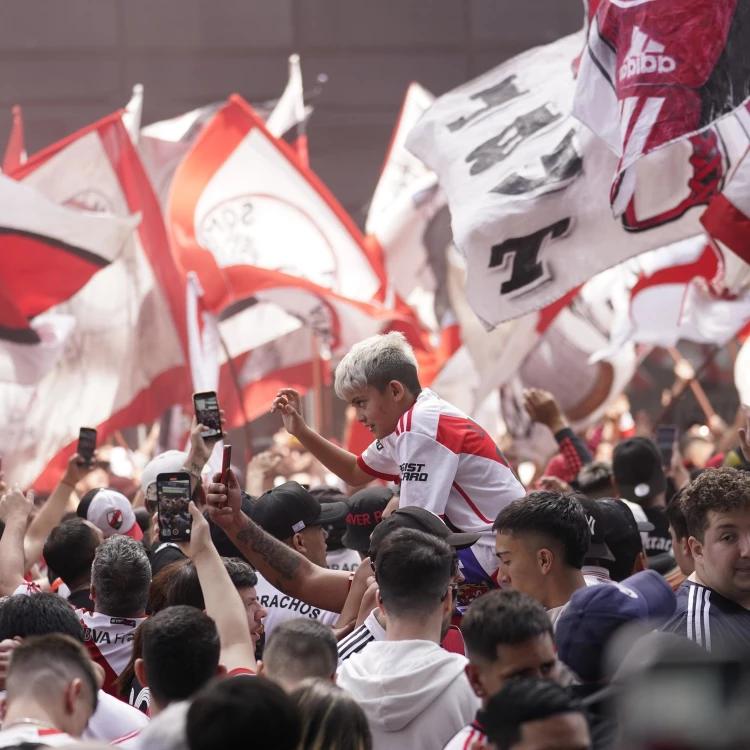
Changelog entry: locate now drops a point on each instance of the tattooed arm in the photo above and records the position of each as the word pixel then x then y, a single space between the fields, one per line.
pixel 280 565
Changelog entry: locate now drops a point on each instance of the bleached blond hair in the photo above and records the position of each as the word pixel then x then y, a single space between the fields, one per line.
pixel 376 362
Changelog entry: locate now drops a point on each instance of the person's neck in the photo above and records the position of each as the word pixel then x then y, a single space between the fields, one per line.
pixel 417 629
pixel 29 709
pixel 562 588
pixel 743 601
pixel 155 708
pixel 80 584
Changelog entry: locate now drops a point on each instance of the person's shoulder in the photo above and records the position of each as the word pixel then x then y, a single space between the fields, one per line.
pixel 465 738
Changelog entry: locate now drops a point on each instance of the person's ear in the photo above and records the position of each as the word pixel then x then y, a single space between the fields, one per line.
pixel 140 672
pixel 696 547
pixel 686 548
pixel 298 543
pixel 397 390
pixel 92 593
pixel 545 558
pixel 72 694
pixel 379 603
pixel 260 667
pixel 475 680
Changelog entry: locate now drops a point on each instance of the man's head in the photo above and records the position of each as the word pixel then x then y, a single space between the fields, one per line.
pixel 180 654
pixel 120 577
pixel 540 539
pixel 53 671
pixel 186 590
pixel 533 714
pixel 166 463
pixel 39 614
pixel 379 378
pixel 717 510
pixel 595 479
pixel 598 552
pixel 365 513
pixel 678 530
pixel 622 533
pixel 414 572
pixel 299 649
pixel 70 549
pixel 507 634
pixel 637 471
pixel 111 512
pixel 243 711
pixel 292 515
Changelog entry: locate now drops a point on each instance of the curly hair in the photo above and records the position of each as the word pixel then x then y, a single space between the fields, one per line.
pixel 719 490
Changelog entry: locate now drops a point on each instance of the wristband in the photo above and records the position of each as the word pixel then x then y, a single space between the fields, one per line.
pixel 192 473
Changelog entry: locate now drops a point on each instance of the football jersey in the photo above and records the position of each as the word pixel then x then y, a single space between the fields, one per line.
pixel 711 620
pixel 281 607
pixel 446 464
pixel 466 738
pixel 109 641
pixel 34 735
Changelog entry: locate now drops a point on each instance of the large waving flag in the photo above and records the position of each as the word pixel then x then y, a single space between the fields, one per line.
pixel 527 185
pixel 15 151
pixel 124 362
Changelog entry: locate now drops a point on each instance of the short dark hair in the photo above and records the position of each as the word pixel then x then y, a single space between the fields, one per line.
pixel 558 518
pixel 595 477
pixel 413 572
pixel 121 574
pixel 70 549
pixel 301 648
pixel 502 618
pixel 43 653
pixel 38 614
pixel 180 652
pixel 520 700
pixel 331 718
pixel 226 712
pixel 676 516
pixel 719 490
pixel 186 588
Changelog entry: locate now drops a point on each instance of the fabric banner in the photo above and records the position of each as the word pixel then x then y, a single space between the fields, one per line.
pixel 527 185
pixel 15 151
pixel 125 360
pixel 655 73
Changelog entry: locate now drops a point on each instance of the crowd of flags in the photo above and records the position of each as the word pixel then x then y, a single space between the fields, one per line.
pixel 579 199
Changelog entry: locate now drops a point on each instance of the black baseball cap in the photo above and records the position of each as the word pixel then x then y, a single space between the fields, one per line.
pixel 420 519
pixel 638 473
pixel 336 529
pixel 622 532
pixel 289 508
pixel 365 513
pixel 598 549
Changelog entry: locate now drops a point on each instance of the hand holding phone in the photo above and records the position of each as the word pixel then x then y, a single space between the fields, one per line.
pixel 86 444
pixel 173 499
pixel 226 463
pixel 207 414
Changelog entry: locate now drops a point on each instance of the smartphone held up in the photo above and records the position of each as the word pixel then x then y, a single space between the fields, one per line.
pixel 173 499
pixel 207 414
pixel 86 445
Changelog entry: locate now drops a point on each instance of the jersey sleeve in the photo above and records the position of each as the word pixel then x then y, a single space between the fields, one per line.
pixel 428 470
pixel 376 461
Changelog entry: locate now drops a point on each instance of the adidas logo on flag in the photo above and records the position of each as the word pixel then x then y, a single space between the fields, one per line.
pixel 645 56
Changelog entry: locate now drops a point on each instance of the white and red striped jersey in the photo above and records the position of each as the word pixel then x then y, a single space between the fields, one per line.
pixel 109 641
pixel 21 734
pixel 447 464
pixel 466 738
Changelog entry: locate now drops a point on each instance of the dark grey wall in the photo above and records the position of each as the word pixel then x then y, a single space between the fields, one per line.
pixel 69 62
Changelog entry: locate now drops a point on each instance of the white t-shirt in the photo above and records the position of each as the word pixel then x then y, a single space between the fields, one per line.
pixel 281 607
pixel 114 720
pixel 343 559
pixel 32 734
pixel 447 464
pixel 466 738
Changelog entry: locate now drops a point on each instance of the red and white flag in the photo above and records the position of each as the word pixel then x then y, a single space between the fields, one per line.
pixel 125 360
pixel 15 151
pixel 48 253
pixel 242 202
pixel 527 185
pixel 290 114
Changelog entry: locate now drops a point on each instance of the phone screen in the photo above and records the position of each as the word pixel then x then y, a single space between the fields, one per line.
pixel 665 437
pixel 86 443
pixel 207 413
pixel 172 497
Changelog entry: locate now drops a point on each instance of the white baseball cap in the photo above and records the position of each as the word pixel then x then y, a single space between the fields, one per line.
pixel 165 463
pixel 110 511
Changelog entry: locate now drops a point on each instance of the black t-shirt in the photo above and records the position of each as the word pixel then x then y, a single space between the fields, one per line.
pixel 139 696
pixel 659 540
pixel 81 600
pixel 165 554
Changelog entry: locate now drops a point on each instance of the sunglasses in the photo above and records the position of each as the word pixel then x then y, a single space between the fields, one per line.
pixel 453 588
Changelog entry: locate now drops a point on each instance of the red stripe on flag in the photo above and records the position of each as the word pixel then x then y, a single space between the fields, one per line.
pixel 725 222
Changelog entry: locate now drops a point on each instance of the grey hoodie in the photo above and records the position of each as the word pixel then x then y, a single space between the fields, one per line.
pixel 415 694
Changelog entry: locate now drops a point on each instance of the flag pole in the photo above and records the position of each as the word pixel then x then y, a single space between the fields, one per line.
pixel 695 387
pixel 317 383
pixel 295 73
pixel 248 430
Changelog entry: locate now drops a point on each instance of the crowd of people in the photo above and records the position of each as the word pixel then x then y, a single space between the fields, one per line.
pixel 442 605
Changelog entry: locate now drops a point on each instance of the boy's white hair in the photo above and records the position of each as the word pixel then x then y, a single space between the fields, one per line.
pixel 372 361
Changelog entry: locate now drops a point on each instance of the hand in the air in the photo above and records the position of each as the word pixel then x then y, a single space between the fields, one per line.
pixel 289 404
pixel 224 502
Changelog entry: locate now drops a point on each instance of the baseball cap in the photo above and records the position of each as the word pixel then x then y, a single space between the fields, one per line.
pixel 336 530
pixel 365 511
pixel 420 519
pixel 287 509
pixel 637 469
pixel 110 511
pixel 594 614
pixel 164 463
pixel 598 548
pixel 622 532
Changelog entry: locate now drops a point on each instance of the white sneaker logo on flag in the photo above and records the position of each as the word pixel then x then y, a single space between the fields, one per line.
pixel 645 56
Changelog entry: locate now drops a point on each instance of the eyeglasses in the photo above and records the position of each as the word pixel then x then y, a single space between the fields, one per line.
pixel 453 588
